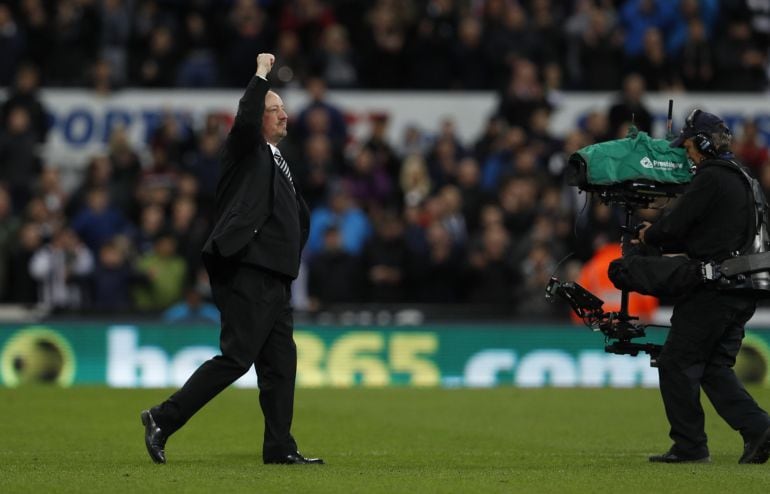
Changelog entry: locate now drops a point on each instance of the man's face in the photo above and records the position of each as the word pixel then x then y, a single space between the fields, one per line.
pixel 692 151
pixel 275 118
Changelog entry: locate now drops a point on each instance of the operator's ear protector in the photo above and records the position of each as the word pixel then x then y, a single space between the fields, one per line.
pixel 703 141
pixel 704 144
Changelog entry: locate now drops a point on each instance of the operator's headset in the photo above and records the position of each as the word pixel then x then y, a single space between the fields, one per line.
pixel 702 140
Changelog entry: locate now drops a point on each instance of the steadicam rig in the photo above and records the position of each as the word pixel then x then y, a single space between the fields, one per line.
pixel 618 328
pixel 634 172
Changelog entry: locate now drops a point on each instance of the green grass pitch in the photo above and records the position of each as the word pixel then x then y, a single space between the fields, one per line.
pixel 373 440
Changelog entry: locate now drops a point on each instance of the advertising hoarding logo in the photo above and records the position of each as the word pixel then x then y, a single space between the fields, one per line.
pixel 37 355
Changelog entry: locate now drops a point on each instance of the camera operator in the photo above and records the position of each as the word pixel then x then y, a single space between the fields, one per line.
pixel 709 222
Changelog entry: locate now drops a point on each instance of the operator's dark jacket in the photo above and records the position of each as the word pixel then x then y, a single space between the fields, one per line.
pixel 252 202
pixel 710 220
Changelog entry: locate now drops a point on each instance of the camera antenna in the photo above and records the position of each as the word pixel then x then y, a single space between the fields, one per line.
pixel 670 120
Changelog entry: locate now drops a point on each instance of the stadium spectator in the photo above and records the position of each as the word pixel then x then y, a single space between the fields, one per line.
pixel 704 12
pixel 472 68
pixel 638 16
pixel 23 286
pixel 335 60
pixel 377 141
pixel 443 160
pixel 492 277
pixel 35 21
pixel 309 19
pixel 49 189
pixel 98 221
pixel 75 42
pixel 490 139
pixel 382 49
pixel 523 94
pixel 151 223
pixel 245 33
pixel 430 46
pixel 595 51
pixel 320 116
pixel 741 60
pixel 593 277
pixel 654 65
pixel 166 274
pixel 547 19
pixel 448 207
pixel 98 174
pixel 598 226
pixel 61 269
pixel 750 148
pixel 125 172
pixel 630 107
pixel 291 67
pixel 536 269
pixel 113 279
pixel 415 181
pixel 190 230
pixel 472 196
pixel 317 168
pixel 198 67
pixel 385 260
pixel 518 201
pixel 9 229
pixel 19 162
pixel 335 276
pixel 435 271
pixel 24 93
pixel 11 45
pixel 101 78
pixel 160 180
pixel 192 308
pixel 697 58
pixel 340 210
pixel 157 67
pixel 509 41
pixel 115 38
pixel 368 183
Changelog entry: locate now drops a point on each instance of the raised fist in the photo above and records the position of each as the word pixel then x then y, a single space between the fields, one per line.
pixel 265 63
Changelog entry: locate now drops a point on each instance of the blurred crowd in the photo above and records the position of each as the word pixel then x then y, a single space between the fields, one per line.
pixel 425 218
pixel 423 44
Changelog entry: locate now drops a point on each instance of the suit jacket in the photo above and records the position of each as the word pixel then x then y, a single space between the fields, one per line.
pixel 248 180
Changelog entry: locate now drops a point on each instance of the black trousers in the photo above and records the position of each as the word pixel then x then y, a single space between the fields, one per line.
pixel 699 353
pixel 257 328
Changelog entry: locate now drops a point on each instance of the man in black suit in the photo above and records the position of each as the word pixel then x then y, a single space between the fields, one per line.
pixel 252 256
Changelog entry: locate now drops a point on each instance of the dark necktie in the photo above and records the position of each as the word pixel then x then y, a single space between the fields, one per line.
pixel 284 167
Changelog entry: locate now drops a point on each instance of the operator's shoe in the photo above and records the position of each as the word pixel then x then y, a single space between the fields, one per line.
pixel 757 450
pixel 293 459
pixel 154 438
pixel 670 457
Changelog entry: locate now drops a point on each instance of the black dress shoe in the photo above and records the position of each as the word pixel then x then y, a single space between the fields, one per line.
pixel 154 438
pixel 294 459
pixel 669 457
pixel 757 450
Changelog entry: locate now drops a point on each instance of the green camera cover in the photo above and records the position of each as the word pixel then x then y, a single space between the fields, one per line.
pixel 635 157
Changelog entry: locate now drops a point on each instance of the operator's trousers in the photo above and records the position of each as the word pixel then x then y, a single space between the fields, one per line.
pixel 256 328
pixel 706 334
